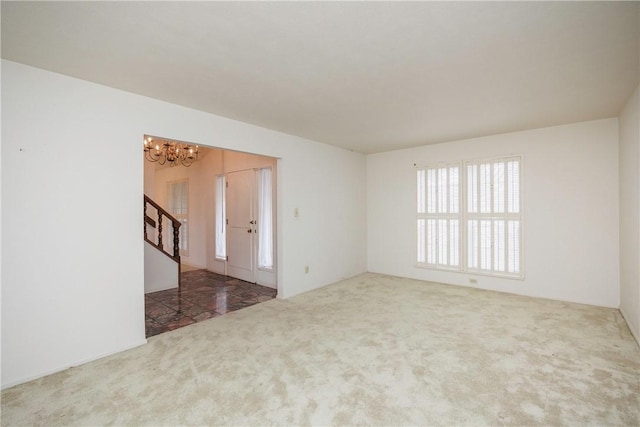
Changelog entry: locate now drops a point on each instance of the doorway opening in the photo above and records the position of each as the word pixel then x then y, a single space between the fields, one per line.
pixel 226 201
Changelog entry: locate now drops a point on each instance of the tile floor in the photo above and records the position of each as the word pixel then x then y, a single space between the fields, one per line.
pixel 203 295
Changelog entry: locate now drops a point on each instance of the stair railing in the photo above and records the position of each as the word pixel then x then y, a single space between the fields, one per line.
pixel 162 213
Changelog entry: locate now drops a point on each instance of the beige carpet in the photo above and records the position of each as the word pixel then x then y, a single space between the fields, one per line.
pixel 372 350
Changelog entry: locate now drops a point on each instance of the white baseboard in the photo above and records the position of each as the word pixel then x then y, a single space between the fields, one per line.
pixel 73 365
pixel 267 285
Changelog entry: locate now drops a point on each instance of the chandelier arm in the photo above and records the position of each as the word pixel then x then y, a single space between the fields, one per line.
pixel 150 156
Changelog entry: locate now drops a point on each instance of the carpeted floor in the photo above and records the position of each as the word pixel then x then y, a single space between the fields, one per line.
pixel 371 350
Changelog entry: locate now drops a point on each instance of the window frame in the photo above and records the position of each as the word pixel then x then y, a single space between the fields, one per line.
pixel 465 216
pixel 220 209
pixel 437 216
pixel 493 216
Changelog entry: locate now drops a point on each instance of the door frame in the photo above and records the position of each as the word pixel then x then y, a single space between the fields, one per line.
pixel 249 177
pixel 269 277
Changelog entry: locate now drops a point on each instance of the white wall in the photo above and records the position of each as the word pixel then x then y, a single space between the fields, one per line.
pixel 630 213
pixel 160 271
pixel 72 185
pixel 234 161
pixel 570 179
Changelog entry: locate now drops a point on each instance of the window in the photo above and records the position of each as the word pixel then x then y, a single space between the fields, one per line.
pixel 178 204
pixel 265 219
pixel 491 214
pixel 439 216
pixel 221 244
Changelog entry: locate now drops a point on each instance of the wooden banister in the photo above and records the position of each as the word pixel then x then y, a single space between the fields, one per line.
pixel 174 223
pixel 148 200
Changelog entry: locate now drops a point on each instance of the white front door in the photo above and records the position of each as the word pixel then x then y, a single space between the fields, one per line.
pixel 240 195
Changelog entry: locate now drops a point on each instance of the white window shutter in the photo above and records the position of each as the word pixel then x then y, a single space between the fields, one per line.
pixel 438 217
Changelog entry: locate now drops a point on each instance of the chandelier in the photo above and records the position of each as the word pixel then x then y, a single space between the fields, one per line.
pixel 172 152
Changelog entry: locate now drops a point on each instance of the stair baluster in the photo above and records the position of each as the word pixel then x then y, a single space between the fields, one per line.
pixel 176 231
pixel 160 245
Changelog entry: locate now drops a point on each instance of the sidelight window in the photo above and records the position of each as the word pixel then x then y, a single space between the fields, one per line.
pixel 221 244
pixel 265 218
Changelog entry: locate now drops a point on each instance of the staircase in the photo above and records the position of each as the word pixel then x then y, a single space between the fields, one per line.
pixel 155 221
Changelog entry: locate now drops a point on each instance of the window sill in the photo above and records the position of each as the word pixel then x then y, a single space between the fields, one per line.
pixel 471 272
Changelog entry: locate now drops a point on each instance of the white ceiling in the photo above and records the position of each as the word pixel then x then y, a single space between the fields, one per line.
pixel 366 76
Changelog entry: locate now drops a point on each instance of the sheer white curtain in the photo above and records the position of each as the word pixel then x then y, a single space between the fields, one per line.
pixel 265 218
pixel 221 244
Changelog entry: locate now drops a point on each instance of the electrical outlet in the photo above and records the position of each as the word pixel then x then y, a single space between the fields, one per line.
pixel 473 280
pixel 306 269
pixel 296 213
